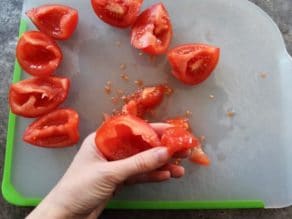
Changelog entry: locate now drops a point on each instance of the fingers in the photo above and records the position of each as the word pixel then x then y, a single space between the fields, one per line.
pixel 142 163
pixel 154 176
pixel 162 174
pixel 176 171
pixel 160 127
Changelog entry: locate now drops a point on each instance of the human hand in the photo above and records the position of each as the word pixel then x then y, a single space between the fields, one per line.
pixel 91 180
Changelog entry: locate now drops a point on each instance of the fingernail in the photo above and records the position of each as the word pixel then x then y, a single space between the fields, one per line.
pixel 162 154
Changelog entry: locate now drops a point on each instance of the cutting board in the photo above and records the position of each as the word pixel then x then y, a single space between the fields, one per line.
pixel 250 152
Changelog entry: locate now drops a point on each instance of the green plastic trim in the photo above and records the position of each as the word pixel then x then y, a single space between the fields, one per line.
pixel 12 196
pixel 8 190
pixel 224 204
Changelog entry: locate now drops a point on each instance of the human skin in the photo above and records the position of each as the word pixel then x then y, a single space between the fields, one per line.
pixel 91 180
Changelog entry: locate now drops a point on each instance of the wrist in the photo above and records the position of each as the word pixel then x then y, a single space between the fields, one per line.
pixel 51 207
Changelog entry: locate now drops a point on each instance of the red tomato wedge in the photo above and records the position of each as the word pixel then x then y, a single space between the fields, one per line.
pixel 199 156
pixel 144 100
pixel 54 130
pixel 118 13
pixel 152 31
pixel 34 97
pixel 180 122
pixel 57 21
pixel 178 139
pixel 193 63
pixel 123 136
pixel 38 54
pixel 150 97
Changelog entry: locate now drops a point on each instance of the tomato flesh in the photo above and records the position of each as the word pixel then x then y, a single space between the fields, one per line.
pixel 55 129
pixel 144 100
pixel 57 21
pixel 123 136
pixel 34 97
pixel 118 13
pixel 178 139
pixel 152 31
pixel 193 63
pixel 199 156
pixel 180 122
pixel 38 54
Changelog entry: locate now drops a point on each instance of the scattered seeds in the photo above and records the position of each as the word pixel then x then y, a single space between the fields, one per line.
pixel 263 75
pixel 115 100
pixel 124 76
pixel 230 114
pixel 139 83
pixel 168 90
pixel 124 98
pixel 108 87
pixel 123 66
pixel 120 92
pixel 177 161
pixel 211 96
pixel 188 113
pixel 140 53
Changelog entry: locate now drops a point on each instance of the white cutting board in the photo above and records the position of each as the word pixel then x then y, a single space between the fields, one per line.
pixel 250 153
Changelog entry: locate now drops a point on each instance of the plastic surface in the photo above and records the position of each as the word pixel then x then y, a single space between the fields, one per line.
pixel 250 152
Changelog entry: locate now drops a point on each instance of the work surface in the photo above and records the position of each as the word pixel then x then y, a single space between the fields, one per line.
pixel 9 24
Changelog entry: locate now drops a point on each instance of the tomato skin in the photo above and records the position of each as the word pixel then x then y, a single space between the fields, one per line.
pixel 57 21
pixel 38 54
pixel 118 13
pixel 152 31
pixel 123 136
pixel 199 156
pixel 193 63
pixel 178 139
pixel 56 129
pixel 34 97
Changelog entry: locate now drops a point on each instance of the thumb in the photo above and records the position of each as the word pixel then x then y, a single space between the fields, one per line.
pixel 143 162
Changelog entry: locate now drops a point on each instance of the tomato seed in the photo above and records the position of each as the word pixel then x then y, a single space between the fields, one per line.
pixel 139 83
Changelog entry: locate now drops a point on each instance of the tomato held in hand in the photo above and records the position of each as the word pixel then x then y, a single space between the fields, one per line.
pixel 152 31
pixel 180 122
pixel 123 136
pixel 56 129
pixel 193 63
pixel 34 97
pixel 57 21
pixel 199 156
pixel 118 13
pixel 144 100
pixel 178 139
pixel 38 54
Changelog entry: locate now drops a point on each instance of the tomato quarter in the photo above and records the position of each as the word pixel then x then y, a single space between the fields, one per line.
pixel 57 21
pixel 178 139
pixel 118 13
pixel 152 31
pixel 56 129
pixel 38 54
pixel 193 63
pixel 123 136
pixel 34 97
pixel 144 100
